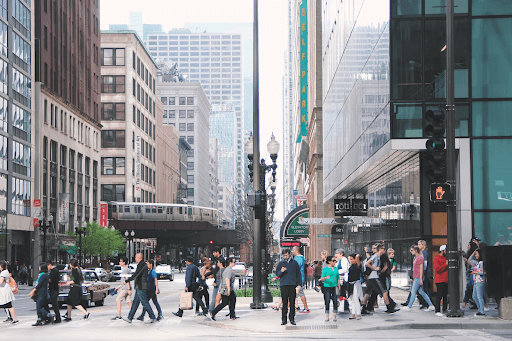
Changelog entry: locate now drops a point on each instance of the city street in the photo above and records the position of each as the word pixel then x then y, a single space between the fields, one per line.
pixel 252 325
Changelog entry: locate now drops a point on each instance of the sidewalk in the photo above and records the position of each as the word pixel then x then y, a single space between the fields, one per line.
pixel 269 320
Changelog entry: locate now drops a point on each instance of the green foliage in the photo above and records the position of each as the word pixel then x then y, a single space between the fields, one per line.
pixel 100 241
pixel 248 292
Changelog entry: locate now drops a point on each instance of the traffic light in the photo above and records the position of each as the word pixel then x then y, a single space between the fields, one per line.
pixel 440 192
pixel 434 126
pixel 251 170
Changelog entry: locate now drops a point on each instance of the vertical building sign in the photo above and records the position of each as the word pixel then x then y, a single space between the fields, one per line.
pixel 63 208
pixel 137 168
pixel 104 215
pixel 303 71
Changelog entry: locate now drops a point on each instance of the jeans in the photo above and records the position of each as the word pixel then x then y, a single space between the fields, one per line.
pixel 214 297
pixel 417 288
pixel 204 293
pixel 231 300
pixel 442 292
pixel 42 309
pixel 288 294
pixel 141 297
pixel 469 293
pixel 55 304
pixel 330 294
pixel 478 296
pixel 155 302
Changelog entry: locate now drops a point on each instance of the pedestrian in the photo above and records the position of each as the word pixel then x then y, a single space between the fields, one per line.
pixel 290 280
pixel 342 265
pixel 203 287
pixel 385 274
pixel 374 284
pixel 213 272
pixel 441 280
pixel 218 282
pixel 75 291
pixel 469 259
pixel 53 290
pixel 152 291
pixel 227 290
pixel 426 268
pixel 124 292
pixel 41 290
pixel 417 274
pixel 355 291
pixel 391 256
pixel 309 282
pixel 317 273
pixel 6 294
pixel 140 284
pixel 192 276
pixel 478 286
pixel 299 258
pixel 331 279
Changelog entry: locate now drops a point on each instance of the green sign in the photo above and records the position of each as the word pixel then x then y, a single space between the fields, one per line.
pixel 296 229
pixel 324 236
pixel 115 253
pixel 303 70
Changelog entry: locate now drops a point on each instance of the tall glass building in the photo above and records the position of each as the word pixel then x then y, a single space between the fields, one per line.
pixel 384 66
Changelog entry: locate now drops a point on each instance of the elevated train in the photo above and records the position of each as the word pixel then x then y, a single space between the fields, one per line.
pixel 161 212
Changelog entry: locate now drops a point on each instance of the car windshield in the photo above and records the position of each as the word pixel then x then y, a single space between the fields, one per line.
pixel 88 276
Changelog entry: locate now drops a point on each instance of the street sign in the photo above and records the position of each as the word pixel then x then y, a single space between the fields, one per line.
pixel 304 240
pixel 115 253
pixel 158 258
pixel 324 236
pixel 320 221
pixel 290 243
pixel 337 229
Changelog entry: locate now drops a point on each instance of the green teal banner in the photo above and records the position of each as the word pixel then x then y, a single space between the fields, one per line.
pixel 303 70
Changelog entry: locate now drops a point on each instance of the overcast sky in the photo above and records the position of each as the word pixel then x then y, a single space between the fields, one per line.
pixel 273 38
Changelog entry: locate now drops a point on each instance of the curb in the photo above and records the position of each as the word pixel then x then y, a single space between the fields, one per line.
pixel 467 326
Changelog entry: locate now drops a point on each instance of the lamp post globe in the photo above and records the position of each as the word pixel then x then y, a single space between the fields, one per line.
pixel 249 147
pixel 273 146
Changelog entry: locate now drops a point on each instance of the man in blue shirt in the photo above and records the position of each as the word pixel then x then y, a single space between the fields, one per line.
pixel 192 275
pixel 152 291
pixel 302 266
pixel 290 280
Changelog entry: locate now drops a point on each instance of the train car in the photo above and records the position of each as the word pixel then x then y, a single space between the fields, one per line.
pixel 161 212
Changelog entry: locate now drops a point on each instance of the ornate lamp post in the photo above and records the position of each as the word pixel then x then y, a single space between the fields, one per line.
pixel 80 229
pixel 129 236
pixel 44 225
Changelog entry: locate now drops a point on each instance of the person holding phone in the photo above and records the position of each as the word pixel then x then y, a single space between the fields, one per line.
pixel 290 280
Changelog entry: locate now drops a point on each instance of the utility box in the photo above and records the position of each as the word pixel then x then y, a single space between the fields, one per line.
pixel 498 270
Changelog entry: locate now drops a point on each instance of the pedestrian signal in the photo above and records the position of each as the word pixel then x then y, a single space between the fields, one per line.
pixel 440 192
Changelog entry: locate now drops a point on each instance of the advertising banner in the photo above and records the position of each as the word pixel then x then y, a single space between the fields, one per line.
pixel 303 70
pixel 137 167
pixel 63 208
pixel 103 215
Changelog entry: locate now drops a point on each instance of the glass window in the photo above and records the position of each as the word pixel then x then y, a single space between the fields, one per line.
pixel 492 118
pixel 190 165
pixel 490 71
pixel 190 139
pixel 172 113
pixel 190 100
pixel 493 227
pixel 183 101
pixel 183 113
pixel 164 100
pixel 491 171
pixel 406 58
pixel 190 126
pixel 183 126
pixel 172 101
pixel 491 7
pixel 112 193
pixel 407 120
pixel 190 113
pixel 190 179
pixel 112 165
pixel 112 139
pixel 439 6
pixel 112 84
pixel 113 111
pixel 20 196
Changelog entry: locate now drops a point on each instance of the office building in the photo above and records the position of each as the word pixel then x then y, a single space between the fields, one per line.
pixel 226 205
pixel 186 107
pixel 128 115
pixel 167 161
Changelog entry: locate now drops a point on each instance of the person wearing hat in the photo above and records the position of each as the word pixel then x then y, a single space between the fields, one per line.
pixel 441 280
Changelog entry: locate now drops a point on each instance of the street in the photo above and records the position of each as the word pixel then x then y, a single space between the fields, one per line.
pixel 252 325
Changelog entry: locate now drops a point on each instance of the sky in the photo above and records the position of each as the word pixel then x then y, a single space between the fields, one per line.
pixel 273 41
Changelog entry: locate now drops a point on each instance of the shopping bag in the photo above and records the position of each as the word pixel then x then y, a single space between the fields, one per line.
pixel 186 300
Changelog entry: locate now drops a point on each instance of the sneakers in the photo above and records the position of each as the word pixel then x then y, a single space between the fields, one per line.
pixel 304 311
pixel 86 317
pixel 405 304
pixel 9 319
pixel 212 317
pixel 479 314
pixel 486 309
pixel 439 314
pixel 150 321
pixel 431 308
pixel 140 318
pixel 160 317
pixel 317 289
pixel 116 318
pixel 125 319
pixel 424 307
pixel 391 310
pixel 406 308
pixel 15 322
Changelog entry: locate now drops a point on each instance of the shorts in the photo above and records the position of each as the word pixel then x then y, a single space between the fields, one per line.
pixel 124 295
pixel 375 286
pixel 301 292
pixel 8 305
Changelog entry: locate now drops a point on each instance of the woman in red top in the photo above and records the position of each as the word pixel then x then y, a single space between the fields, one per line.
pixel 417 284
pixel 441 279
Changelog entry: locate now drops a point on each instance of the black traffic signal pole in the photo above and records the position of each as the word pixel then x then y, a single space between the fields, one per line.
pixel 453 249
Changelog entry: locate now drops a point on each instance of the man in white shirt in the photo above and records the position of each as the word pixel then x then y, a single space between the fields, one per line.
pixel 343 265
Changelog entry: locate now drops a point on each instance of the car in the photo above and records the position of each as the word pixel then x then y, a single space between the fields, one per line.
pixel 62 266
pixel 116 272
pixel 102 274
pixel 133 267
pixel 93 290
pixel 239 269
pixel 164 271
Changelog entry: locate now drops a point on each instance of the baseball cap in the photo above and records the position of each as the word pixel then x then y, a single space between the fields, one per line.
pixel 442 248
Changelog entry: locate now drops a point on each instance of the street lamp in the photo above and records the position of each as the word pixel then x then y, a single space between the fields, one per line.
pixel 259 202
pixel 44 225
pixel 80 229
pixel 129 236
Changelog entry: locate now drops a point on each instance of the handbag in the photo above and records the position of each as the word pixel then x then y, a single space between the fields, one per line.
pixel 14 287
pixel 223 290
pixel 186 300
pixel 33 295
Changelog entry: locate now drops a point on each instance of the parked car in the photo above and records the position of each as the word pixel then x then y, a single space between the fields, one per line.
pixel 239 269
pixel 101 273
pixel 62 266
pixel 116 273
pixel 164 271
pixel 93 290
pixel 133 267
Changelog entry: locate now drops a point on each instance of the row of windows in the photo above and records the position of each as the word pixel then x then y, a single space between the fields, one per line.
pixel 146 149
pixel 202 59
pixel 186 37
pixel 143 72
pixel 182 113
pixel 181 100
pixel 194 48
pixel 143 97
pixel 144 123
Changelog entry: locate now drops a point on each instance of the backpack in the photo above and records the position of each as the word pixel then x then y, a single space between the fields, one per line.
pixel 366 271
pixel 14 286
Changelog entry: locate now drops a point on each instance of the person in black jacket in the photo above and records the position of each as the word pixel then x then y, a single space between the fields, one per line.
pixel 140 278
pixel 53 290
pixel 192 276
pixel 290 281
pixel 42 297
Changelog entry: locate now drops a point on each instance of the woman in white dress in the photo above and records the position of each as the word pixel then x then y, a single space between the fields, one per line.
pixel 6 295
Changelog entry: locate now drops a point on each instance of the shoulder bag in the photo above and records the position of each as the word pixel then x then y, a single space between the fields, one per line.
pixel 14 286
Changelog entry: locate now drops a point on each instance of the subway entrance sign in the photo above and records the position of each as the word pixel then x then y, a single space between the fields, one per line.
pixel 440 192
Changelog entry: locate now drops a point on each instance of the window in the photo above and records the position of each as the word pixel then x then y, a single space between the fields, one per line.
pixel 182 101
pixel 112 165
pixel 190 179
pixel 491 118
pixel 190 113
pixel 172 101
pixel 112 193
pixel 112 111
pixel 183 126
pixel 489 7
pixel 190 100
pixel 20 196
pixel 112 57
pixel 183 113
pixel 164 100
pixel 112 139
pixel 190 139
pixel 190 126
pixel 21 120
pixel 172 113
pixel 408 120
pixel 112 84
pixel 190 165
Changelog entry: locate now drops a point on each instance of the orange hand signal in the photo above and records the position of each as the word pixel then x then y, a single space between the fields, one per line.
pixel 439 193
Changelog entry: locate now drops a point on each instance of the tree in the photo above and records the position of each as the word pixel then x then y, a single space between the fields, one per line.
pixel 101 241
